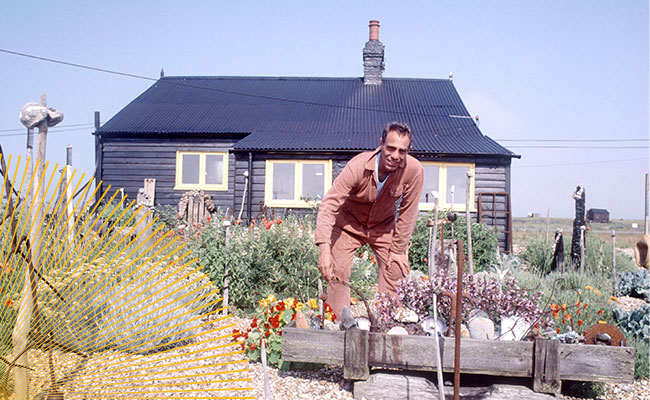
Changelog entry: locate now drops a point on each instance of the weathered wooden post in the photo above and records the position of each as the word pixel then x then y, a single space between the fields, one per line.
pixel 65 193
pixel 582 249
pixel 579 197
pixel 321 306
pixel 146 197
pixel 458 320
pixel 468 217
pixel 441 381
pixel 613 263
pixel 226 272
pixel 267 387
pixel 32 115
pixel 647 204
pixel 557 264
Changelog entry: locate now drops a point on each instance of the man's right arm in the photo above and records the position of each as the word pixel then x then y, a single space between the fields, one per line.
pixel 330 207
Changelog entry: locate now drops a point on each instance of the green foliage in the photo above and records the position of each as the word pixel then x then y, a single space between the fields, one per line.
pixel 635 323
pixel 634 284
pixel 641 357
pixel 586 390
pixel 598 256
pixel 138 310
pixel 484 242
pixel 269 257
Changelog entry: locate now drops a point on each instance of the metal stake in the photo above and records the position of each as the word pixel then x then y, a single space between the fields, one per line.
pixel 458 320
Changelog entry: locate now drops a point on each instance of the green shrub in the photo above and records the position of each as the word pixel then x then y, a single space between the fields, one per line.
pixel 269 257
pixel 484 242
pixel 634 283
pixel 598 256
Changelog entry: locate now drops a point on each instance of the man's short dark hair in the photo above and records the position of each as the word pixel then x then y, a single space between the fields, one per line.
pixel 401 128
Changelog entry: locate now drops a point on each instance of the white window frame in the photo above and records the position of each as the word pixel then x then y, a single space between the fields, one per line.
pixel 442 187
pixel 201 185
pixel 297 202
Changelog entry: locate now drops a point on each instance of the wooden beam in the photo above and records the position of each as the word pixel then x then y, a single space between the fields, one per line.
pixel 546 374
pixel 515 358
pixel 355 359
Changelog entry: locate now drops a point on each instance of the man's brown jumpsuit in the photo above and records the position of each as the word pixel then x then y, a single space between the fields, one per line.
pixel 352 214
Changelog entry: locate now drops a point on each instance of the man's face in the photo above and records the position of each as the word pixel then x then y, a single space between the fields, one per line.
pixel 393 151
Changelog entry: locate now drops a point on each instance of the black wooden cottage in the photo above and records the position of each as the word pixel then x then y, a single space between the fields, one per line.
pixel 279 142
pixel 598 215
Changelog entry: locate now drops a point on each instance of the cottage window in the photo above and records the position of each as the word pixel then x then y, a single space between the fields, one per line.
pixel 208 171
pixel 440 177
pixel 295 183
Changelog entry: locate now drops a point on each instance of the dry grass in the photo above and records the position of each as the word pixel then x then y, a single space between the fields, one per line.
pixel 526 228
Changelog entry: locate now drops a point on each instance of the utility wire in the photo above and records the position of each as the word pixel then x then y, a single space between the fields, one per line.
pixel 573 140
pixel 579 147
pixel 51 128
pixel 49 131
pixel 172 82
pixel 582 163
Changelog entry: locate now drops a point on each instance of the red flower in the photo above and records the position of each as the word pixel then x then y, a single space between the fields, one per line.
pixel 252 346
pixel 254 323
pixel 278 221
pixel 280 305
pixel 275 321
pixel 579 322
pixel 268 225
pixel 601 311
pixel 267 333
pixel 558 330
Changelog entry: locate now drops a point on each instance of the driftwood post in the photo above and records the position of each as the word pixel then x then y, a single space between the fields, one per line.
pixel 321 306
pixel 226 272
pixel 613 263
pixel 579 197
pixel 557 264
pixel 267 387
pixel 441 381
pixel 146 200
pixel 582 249
pixel 65 193
pixel 468 217
pixel 31 116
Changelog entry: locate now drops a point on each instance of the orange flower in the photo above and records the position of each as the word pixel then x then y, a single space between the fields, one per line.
pixel 612 298
pixel 425 259
pixel 598 292
pixel 9 303
pixel 579 322
pixel 556 314
pixel 601 311
pixel 278 221
pixel 563 307
pixel 353 300
pixel 567 316
pixel 537 325
pixel 586 305
pixel 557 330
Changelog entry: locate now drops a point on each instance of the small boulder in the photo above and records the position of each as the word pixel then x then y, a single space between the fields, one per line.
pixel 480 328
pixel 397 330
pixel 405 316
pixel 301 321
pixel 429 323
pixel 513 328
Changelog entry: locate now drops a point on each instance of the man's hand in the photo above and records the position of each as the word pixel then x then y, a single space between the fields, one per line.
pixel 325 260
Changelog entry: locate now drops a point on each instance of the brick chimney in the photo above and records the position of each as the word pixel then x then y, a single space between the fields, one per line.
pixel 373 57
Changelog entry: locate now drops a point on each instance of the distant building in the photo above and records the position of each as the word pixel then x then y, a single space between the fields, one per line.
pixel 598 215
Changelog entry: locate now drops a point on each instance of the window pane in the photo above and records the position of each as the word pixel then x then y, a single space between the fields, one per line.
pixel 457 176
pixel 313 181
pixel 190 167
pixel 213 169
pixel 283 181
pixel 430 183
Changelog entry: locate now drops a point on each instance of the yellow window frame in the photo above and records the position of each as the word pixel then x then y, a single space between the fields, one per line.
pixel 442 187
pixel 179 185
pixel 297 202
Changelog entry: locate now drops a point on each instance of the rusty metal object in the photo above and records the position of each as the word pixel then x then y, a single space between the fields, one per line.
pixel 615 335
pixel 459 311
pixel 452 312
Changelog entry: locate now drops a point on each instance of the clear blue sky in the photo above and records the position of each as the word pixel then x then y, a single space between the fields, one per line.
pixel 561 70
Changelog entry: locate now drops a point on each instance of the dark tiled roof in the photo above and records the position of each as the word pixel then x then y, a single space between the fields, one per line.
pixel 305 113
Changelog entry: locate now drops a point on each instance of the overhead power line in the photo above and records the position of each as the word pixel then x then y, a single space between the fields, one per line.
pixel 583 163
pixel 58 127
pixel 573 140
pixel 580 147
pixel 56 131
pixel 171 82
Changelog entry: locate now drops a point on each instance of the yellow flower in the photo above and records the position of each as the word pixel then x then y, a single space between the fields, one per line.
pixel 598 292
pixel 612 298
pixel 313 304
pixel 289 302
pixel 263 303
pixel 299 306
pixel 602 322
pixel 589 287
pixel 271 299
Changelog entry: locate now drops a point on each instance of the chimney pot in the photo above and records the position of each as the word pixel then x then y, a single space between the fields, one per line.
pixel 374 30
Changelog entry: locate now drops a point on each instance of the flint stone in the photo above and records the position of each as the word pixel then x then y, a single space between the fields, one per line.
pixel 54 116
pixel 301 321
pixel 32 115
pixel 428 324
pixel 347 319
pixel 363 323
pixel 405 316
pixel 480 328
pixel 397 330
pixel 513 328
